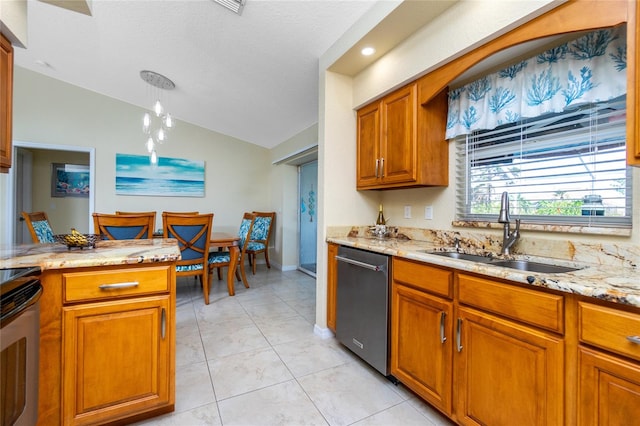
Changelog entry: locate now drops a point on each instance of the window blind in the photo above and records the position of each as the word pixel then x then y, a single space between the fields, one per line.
pixel 560 168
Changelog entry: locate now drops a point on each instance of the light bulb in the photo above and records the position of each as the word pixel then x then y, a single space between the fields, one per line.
pixel 161 135
pixel 146 121
pixel 168 121
pixel 150 144
pixel 157 108
pixel 154 157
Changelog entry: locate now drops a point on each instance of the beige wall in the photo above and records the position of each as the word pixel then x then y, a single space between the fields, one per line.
pixel 462 27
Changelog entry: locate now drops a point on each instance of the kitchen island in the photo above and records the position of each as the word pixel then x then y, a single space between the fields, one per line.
pixel 107 329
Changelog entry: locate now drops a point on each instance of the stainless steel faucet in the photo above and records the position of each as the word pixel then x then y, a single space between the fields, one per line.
pixel 508 238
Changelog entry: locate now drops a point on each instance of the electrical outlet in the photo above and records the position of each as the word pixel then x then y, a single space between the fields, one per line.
pixel 407 212
pixel 428 212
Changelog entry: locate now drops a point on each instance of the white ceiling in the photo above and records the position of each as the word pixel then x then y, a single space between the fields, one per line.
pixel 252 76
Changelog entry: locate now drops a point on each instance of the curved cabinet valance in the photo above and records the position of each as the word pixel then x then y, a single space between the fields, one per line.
pixel 573 16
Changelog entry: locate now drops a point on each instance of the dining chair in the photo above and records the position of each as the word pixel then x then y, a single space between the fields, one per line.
pixel 259 241
pixel 193 235
pixel 124 226
pixel 39 227
pixel 220 259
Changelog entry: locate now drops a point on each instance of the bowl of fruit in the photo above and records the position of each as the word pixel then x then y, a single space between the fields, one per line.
pixel 76 239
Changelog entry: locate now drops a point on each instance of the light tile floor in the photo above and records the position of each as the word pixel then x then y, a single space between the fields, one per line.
pixel 253 359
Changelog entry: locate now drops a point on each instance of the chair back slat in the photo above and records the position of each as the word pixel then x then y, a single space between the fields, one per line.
pixel 39 227
pixel 262 226
pixel 124 226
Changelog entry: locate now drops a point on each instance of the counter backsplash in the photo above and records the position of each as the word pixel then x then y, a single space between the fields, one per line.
pixel 606 253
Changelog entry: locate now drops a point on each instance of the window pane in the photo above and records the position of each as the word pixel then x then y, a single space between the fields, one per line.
pixel 567 168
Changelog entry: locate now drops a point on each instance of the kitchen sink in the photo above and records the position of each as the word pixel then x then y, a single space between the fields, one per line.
pixel 521 265
pixel 461 256
pixel 526 265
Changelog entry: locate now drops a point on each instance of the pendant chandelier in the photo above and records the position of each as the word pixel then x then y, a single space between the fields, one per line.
pixel 157 123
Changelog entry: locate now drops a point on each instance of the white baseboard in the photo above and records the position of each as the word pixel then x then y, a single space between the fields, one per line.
pixel 323 332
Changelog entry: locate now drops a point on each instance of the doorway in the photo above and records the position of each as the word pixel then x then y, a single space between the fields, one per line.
pixel 29 184
pixel 307 216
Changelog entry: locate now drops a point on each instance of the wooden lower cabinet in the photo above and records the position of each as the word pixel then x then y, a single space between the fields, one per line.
pixel 117 359
pixel 508 373
pixel 107 344
pixel 608 365
pixel 487 361
pixel 609 389
pixel 421 344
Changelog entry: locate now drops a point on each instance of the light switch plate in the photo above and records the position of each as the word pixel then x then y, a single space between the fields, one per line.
pixel 428 212
pixel 407 212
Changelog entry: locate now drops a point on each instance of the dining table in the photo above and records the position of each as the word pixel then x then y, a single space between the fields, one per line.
pixel 231 243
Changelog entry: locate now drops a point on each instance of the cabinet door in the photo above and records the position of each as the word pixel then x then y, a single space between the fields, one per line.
pixel 116 360
pixel 398 148
pixel 508 374
pixel 6 102
pixel 368 145
pixel 609 390
pixel 421 343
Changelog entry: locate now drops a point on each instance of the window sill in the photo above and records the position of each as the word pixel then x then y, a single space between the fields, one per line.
pixel 569 229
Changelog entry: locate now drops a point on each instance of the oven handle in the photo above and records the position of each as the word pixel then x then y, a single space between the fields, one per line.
pixel 375 268
pixel 16 311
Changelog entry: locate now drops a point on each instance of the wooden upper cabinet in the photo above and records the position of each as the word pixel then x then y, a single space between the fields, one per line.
pixel 6 102
pixel 395 148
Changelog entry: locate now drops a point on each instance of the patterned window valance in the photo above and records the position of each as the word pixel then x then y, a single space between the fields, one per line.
pixel 591 68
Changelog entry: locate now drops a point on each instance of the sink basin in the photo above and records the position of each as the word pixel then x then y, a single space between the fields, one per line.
pixel 461 256
pixel 526 265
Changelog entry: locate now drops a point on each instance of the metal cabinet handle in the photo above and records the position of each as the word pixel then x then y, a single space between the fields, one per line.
pixel 376 268
pixel 163 323
pixel 117 286
pixel 458 335
pixel 443 316
pixel 382 167
pixel 377 165
pixel 634 339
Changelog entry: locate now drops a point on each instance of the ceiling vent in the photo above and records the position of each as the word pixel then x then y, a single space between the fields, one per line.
pixel 234 5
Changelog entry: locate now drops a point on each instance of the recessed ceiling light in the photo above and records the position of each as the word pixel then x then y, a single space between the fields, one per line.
pixel 368 51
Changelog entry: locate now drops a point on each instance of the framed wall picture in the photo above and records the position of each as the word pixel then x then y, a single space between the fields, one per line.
pixel 69 180
pixel 170 177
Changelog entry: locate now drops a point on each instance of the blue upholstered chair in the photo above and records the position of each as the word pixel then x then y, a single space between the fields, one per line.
pixel 259 241
pixel 193 232
pixel 39 227
pixel 220 259
pixel 130 226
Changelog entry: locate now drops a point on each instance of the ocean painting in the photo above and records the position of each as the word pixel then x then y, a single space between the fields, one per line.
pixel 171 177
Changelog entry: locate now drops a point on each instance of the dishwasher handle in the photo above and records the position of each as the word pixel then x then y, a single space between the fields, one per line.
pixel 376 268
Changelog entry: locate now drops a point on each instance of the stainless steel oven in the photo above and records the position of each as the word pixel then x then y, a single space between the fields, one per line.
pixel 20 292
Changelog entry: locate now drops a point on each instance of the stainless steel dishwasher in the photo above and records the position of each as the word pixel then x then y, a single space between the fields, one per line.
pixel 362 318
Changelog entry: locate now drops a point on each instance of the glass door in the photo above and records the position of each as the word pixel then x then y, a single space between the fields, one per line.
pixel 307 217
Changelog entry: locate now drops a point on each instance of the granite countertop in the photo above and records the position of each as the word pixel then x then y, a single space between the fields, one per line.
pixel 614 283
pixel 106 253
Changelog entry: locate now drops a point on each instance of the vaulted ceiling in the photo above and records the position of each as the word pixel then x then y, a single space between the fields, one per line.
pixel 252 76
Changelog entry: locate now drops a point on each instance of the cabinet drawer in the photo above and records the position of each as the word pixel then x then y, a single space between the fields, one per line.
pixel 424 277
pixel 105 284
pixel 609 329
pixel 530 306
